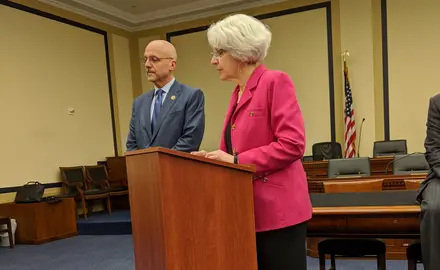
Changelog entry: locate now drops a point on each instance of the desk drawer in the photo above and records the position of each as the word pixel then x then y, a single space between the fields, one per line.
pixel 326 224
pixel 383 225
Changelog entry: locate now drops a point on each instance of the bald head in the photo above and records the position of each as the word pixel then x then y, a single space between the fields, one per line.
pixel 160 61
pixel 164 47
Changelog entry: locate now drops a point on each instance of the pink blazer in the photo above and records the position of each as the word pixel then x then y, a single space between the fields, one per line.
pixel 267 131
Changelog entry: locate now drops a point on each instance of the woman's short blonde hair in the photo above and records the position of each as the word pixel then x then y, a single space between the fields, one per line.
pixel 245 37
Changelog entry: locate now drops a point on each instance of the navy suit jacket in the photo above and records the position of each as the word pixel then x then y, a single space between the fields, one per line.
pixel 432 144
pixel 180 125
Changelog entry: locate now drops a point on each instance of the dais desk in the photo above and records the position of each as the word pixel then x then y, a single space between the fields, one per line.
pixel 392 215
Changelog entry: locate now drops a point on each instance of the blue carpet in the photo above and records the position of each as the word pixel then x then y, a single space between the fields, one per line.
pixel 80 252
pixel 115 252
pixel 101 223
pixel 105 242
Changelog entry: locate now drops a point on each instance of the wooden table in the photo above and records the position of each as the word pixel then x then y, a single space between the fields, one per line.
pixel 391 215
pixel 318 169
pixel 42 222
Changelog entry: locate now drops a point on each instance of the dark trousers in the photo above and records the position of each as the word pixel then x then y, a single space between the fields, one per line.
pixel 282 249
pixel 430 225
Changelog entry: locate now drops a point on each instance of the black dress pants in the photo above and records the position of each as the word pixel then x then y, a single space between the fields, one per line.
pixel 282 249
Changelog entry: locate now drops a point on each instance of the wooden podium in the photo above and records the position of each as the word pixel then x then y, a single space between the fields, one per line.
pixel 189 212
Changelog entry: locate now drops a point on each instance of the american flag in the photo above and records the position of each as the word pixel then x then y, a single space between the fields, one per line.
pixel 350 127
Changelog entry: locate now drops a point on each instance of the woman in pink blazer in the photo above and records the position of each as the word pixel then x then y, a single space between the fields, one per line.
pixel 264 127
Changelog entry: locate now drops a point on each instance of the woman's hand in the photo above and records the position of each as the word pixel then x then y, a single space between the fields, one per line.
pixel 220 155
pixel 201 153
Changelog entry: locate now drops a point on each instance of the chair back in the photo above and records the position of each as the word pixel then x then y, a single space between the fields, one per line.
pixel 116 170
pixel 97 176
pixel 326 151
pixel 307 158
pixel 349 167
pixel 410 164
pixel 71 177
pixel 390 148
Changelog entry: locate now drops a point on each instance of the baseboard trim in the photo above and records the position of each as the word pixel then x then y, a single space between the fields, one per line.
pixel 16 188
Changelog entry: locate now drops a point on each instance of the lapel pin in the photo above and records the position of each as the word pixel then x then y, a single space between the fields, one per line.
pixel 173 97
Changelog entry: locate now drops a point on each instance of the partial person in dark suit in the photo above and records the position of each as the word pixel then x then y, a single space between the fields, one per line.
pixel 429 191
pixel 173 114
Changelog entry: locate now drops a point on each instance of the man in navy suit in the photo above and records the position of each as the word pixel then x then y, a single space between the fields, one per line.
pixel 173 114
pixel 429 190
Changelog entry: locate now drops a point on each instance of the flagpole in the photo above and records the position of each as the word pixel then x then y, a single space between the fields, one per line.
pixel 349 122
pixel 344 55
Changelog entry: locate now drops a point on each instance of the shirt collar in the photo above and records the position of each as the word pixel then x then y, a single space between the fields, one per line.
pixel 165 88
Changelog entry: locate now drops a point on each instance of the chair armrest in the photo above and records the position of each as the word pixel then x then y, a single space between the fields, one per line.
pixel 105 184
pixel 77 185
pixel 121 181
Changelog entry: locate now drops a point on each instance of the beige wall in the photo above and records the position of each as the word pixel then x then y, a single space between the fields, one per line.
pixel 48 67
pixel 111 32
pixel 51 67
pixel 124 85
pixel 413 67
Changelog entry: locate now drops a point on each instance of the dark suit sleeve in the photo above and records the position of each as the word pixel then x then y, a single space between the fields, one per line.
pixel 432 141
pixel 131 138
pixel 194 127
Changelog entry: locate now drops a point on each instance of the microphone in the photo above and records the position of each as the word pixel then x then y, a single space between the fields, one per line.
pixel 360 135
pixel 394 159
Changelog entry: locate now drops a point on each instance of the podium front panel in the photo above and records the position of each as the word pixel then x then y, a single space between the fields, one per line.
pixel 208 215
pixel 190 215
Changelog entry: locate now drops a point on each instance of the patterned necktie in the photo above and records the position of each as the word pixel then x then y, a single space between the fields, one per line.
pixel 157 106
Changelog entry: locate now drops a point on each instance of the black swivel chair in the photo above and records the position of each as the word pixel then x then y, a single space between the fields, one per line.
pixel 352 248
pixel 349 167
pixel 390 148
pixel 410 164
pixel 307 158
pixel 414 255
pixel 326 150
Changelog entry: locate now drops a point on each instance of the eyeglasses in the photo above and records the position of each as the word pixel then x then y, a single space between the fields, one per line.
pixel 154 59
pixel 218 53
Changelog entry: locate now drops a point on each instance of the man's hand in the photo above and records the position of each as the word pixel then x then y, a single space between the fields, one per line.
pixel 220 155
